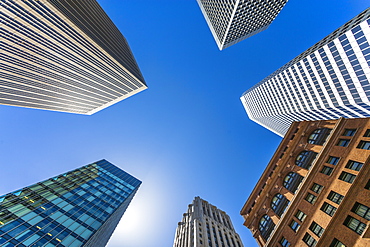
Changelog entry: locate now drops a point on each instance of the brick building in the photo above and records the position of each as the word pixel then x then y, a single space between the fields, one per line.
pixel 316 189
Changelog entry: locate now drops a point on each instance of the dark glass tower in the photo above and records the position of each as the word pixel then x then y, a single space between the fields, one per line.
pixel 78 208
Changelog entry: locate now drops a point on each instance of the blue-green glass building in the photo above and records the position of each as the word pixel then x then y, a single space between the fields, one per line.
pixel 78 208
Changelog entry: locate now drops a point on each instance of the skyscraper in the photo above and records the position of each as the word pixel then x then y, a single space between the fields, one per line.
pixel 204 225
pixel 78 208
pixel 315 191
pixel 327 81
pixel 64 55
pixel 232 21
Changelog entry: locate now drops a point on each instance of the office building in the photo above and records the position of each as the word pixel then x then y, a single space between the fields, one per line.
pixel 78 208
pixel 64 55
pixel 316 189
pixel 233 21
pixel 328 81
pixel 204 225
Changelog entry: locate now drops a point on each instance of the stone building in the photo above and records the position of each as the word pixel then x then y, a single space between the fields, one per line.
pixel 204 225
pixel 315 190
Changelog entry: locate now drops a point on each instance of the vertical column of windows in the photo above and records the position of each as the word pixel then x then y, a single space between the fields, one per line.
pixel 295 90
pixel 290 91
pixel 215 237
pixel 354 55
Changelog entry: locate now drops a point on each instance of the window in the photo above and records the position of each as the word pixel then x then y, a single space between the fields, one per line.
pixel 309 240
pixel 316 229
pixel 349 132
pixel 292 181
pixel 305 159
pixel 328 209
pixel 336 243
pixel 333 160
pixel 335 197
pixel 367 133
pixel 310 198
pixel 327 170
pixel 354 165
pixel 279 204
pixel 347 177
pixel 317 188
pixel 361 210
pixel 300 215
pixel 364 145
pixel 266 226
pixel 367 186
pixel 294 225
pixel 355 225
pixel 343 142
pixel 319 136
pixel 284 242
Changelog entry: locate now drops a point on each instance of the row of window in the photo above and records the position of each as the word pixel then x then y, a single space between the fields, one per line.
pixel 319 136
pixel 292 181
pixel 351 222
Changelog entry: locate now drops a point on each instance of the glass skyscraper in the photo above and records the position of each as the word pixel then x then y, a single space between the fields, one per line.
pixel 78 208
pixel 328 81
pixel 232 21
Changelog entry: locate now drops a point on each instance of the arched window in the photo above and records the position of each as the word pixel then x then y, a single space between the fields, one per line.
pixel 305 159
pixel 266 226
pixel 292 181
pixel 318 136
pixel 279 204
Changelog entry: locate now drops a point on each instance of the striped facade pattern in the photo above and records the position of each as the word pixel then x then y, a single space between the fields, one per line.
pixel 328 81
pixel 232 21
pixel 64 56
pixel 204 225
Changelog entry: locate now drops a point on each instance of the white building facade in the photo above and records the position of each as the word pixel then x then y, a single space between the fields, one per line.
pixel 328 81
pixel 232 21
pixel 64 56
pixel 204 225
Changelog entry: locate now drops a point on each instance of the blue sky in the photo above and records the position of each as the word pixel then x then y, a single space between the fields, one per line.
pixel 188 134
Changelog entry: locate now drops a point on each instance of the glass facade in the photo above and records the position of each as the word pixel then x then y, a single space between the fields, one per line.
pixel 78 208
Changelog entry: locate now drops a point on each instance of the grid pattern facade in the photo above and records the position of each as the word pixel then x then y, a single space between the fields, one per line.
pixel 64 56
pixel 232 21
pixel 204 225
pixel 328 81
pixel 78 208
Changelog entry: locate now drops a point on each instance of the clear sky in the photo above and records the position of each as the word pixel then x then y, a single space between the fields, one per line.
pixel 188 134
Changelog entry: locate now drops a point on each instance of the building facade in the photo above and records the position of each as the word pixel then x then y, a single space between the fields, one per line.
pixel 78 208
pixel 204 225
pixel 328 81
pixel 64 55
pixel 232 21
pixel 316 189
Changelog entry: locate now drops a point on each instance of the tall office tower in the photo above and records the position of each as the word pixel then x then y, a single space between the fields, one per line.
pixel 64 55
pixel 232 21
pixel 78 208
pixel 327 81
pixel 204 225
pixel 316 189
